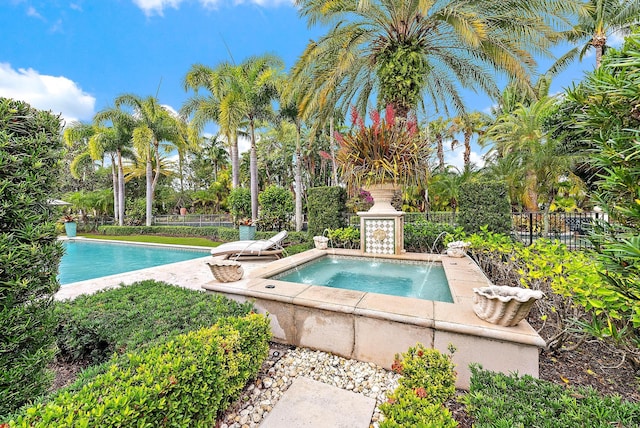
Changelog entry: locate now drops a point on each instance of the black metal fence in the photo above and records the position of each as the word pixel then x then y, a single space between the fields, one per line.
pixel 196 220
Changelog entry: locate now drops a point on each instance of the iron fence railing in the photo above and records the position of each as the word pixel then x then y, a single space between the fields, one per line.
pixel 195 220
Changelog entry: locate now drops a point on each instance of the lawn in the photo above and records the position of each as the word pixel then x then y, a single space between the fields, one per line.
pixel 174 240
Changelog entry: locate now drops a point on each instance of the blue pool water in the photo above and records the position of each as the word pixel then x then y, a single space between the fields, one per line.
pixel 421 280
pixel 89 260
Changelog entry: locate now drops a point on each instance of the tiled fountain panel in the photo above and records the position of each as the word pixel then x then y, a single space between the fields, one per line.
pixel 379 236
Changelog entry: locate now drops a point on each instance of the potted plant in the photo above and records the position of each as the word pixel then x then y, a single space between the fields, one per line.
pixel 70 225
pixel 247 229
pixel 384 155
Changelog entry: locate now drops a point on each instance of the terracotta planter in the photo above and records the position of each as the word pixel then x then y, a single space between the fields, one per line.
pixel 382 195
pixel 504 305
pixel 183 211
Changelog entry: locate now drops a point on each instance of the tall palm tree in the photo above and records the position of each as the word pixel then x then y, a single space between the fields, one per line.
pixel 598 19
pixel 253 86
pixel 155 126
pixel 438 131
pixel 400 51
pixel 214 107
pixel 114 141
pixel 468 124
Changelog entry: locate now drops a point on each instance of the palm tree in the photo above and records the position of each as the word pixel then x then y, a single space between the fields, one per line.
pixel 438 131
pixel 598 19
pixel 400 51
pixel 252 87
pixel 154 126
pixel 216 107
pixel 114 141
pixel 521 141
pixel 468 125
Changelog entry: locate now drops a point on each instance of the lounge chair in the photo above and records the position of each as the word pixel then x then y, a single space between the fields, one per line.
pixel 258 248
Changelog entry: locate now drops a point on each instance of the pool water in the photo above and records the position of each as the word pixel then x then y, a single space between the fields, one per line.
pixel 88 260
pixel 422 280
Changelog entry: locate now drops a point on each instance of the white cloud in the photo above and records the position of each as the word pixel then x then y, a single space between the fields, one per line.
pixel 31 11
pixel 56 93
pixel 456 158
pixel 615 39
pixel 151 7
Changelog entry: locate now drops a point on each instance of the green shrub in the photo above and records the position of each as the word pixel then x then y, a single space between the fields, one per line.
pixel 239 201
pixel 93 327
pixel 344 237
pixel 428 380
pixel 185 381
pixel 276 208
pixel 423 236
pixel 484 204
pixel 499 400
pixel 30 152
pixel 325 209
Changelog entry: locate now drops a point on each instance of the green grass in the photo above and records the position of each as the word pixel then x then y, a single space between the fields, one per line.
pixel 175 240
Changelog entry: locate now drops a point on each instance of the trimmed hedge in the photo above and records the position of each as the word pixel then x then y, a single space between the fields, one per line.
pixel 326 207
pixel 182 382
pixel 496 399
pixel 92 327
pixel 215 233
pixel 484 204
pixel 30 153
pixel 428 380
pixel 423 236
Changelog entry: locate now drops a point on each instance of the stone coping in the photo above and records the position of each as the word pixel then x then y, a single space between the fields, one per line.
pixel 458 317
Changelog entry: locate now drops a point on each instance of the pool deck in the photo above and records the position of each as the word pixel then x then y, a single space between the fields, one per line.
pixel 374 327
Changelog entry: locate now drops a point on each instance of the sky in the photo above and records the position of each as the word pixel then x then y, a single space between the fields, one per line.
pixel 75 57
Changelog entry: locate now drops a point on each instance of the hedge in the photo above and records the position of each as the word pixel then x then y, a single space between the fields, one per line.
pixel 30 152
pixel 183 382
pixel 94 327
pixel 326 207
pixel 484 203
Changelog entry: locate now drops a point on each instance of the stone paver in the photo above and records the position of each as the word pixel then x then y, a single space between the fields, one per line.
pixel 312 404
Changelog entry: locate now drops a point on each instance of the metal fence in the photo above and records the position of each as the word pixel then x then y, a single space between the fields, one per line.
pixel 195 220
pixel 569 228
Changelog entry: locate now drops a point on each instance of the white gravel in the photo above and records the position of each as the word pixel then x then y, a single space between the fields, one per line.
pixel 285 364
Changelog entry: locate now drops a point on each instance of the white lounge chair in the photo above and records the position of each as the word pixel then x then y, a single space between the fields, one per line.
pixel 258 248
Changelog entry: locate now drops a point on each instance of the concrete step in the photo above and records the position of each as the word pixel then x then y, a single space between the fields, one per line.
pixel 312 404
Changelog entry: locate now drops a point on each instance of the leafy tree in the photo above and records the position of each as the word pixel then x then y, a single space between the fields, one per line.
pixel 402 51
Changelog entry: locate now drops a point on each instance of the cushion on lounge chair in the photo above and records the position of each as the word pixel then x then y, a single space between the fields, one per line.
pixel 257 248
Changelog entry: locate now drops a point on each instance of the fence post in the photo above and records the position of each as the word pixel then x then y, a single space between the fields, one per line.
pixel 530 228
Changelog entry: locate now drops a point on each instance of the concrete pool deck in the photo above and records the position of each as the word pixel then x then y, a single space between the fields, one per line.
pixel 374 327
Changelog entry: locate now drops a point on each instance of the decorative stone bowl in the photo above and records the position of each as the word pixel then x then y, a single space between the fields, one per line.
pixel 504 305
pixel 457 248
pixel 226 270
pixel 320 242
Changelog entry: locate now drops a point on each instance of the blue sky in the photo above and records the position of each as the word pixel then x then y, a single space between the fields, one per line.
pixel 75 56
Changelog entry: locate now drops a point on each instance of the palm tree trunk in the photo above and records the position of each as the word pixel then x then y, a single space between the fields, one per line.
pixel 298 180
pixel 440 152
pixel 333 153
pixel 116 189
pixel 120 189
pixel 235 162
pixel 149 191
pixel 467 150
pixel 253 169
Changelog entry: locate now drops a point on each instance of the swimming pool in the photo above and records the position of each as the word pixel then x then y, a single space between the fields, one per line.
pixel 89 259
pixel 421 280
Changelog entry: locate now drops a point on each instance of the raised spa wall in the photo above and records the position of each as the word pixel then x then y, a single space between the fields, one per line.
pixel 375 327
